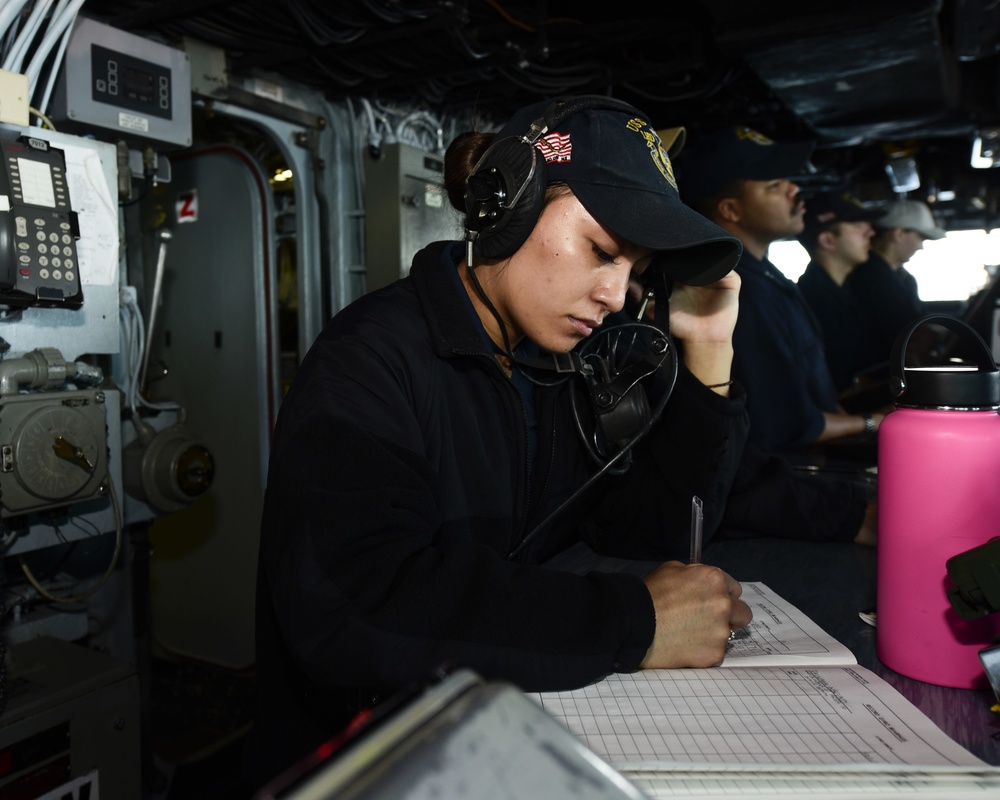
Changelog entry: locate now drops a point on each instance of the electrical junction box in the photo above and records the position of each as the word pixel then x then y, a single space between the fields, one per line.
pixel 53 449
pixel 406 208
pixel 14 91
pixel 137 89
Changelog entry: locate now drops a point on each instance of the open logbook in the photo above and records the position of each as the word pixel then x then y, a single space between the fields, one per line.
pixel 789 713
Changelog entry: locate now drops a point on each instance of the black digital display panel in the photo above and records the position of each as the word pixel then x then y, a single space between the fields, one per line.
pixel 130 83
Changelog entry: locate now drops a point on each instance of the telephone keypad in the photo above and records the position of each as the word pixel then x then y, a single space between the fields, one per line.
pixel 55 249
pixel 41 224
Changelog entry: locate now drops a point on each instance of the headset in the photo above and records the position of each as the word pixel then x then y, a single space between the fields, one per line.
pixel 616 364
pixel 622 360
pixel 505 192
pixel 504 197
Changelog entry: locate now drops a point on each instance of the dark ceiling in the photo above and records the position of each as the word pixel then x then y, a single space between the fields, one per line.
pixel 865 79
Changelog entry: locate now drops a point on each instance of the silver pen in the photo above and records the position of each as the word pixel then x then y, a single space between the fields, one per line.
pixel 697 527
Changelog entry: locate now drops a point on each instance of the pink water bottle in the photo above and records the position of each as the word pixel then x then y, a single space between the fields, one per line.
pixel 939 495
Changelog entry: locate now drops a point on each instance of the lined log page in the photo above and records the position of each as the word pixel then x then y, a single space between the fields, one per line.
pixel 724 729
pixel 752 715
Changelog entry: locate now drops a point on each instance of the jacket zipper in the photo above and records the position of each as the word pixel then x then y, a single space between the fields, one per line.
pixel 525 497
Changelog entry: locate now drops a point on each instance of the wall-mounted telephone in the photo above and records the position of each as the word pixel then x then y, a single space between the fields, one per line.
pixel 38 228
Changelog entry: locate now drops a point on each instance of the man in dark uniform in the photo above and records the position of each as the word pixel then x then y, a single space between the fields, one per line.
pixel 739 179
pixel 837 236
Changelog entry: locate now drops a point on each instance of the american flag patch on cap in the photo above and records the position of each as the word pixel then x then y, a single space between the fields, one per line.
pixel 555 147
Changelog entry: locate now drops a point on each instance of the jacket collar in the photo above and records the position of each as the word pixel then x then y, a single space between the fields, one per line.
pixel 455 328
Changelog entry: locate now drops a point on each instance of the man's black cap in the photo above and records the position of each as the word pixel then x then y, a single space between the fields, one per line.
pixel 830 207
pixel 735 152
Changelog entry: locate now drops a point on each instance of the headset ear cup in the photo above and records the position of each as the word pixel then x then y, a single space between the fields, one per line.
pixel 518 225
pixel 627 419
pixel 505 193
pixel 504 196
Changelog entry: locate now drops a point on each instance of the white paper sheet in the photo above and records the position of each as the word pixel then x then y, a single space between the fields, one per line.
pixel 781 635
pixel 806 727
pixel 754 715
pixel 844 783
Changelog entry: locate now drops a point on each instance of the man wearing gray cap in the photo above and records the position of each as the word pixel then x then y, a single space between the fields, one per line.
pixel 885 293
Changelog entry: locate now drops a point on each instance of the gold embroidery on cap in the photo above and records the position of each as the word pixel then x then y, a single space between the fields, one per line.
pixel 656 149
pixel 743 132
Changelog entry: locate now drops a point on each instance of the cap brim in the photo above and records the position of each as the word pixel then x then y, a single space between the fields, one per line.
pixel 689 248
pixel 888 221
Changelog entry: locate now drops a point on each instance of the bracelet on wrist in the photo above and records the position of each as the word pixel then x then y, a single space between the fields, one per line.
pixel 720 385
pixel 869 423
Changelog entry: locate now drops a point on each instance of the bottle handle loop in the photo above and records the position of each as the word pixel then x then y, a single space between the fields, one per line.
pixel 897 380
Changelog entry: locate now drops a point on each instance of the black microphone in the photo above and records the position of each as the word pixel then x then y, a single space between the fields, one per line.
pixel 617 400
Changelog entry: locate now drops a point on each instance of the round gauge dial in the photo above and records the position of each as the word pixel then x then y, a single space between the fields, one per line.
pixel 55 452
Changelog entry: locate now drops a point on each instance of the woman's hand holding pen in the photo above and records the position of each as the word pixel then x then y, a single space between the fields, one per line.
pixel 697 607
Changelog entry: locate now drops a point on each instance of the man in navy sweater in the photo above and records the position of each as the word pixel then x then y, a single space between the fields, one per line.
pixel 741 180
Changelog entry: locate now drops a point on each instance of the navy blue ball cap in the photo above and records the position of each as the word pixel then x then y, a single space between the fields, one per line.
pixel 830 207
pixel 618 168
pixel 738 152
pixel 839 207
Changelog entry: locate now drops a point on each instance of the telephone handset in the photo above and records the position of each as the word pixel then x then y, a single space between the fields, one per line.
pixel 39 265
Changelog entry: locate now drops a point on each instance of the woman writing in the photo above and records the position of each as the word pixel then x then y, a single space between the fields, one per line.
pixel 419 476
